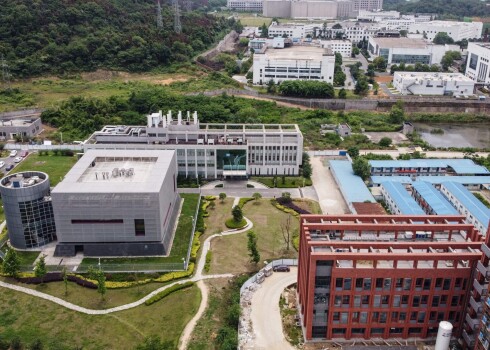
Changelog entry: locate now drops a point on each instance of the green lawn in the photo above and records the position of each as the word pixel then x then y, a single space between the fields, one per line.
pixel 30 318
pixel 180 244
pixel 26 258
pixel 2 212
pixel 55 166
pixel 283 182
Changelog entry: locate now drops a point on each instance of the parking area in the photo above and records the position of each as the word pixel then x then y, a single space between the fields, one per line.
pixel 10 161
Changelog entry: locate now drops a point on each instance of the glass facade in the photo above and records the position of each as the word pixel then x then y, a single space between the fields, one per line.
pixel 410 59
pixel 232 159
pixel 37 222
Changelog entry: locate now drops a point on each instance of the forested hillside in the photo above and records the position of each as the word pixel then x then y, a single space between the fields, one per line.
pixel 456 9
pixel 58 36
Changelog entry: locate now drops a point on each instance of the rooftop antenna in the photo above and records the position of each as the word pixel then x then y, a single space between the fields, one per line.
pixel 159 15
pixel 177 24
pixel 5 73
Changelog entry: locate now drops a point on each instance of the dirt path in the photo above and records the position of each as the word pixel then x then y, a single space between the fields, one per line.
pixel 189 328
pixel 279 103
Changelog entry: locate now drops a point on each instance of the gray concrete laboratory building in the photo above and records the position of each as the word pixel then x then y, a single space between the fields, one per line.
pixel 28 209
pixel 117 203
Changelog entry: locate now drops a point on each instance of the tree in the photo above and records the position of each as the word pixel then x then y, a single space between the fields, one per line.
pixel 237 213
pixel 362 87
pixel 64 275
pixel 338 58
pixel 99 276
pixel 264 31
pixel 306 166
pixel 397 115
pixel 257 196
pixel 253 252
pixel 11 263
pixel 353 152
pixel 40 269
pixel 361 168
pixel 442 38
pixel 380 64
pixel 355 51
pixel 342 93
pixel 222 196
pixel 337 26
pixel 286 231
pixel 211 205
pixel 403 33
pixel 271 86
pixel 385 142
pixel 448 59
pixel 286 197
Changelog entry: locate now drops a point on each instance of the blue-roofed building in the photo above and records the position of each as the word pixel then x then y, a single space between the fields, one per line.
pixel 467 204
pixel 427 167
pixel 399 200
pixel 431 200
pixel 476 182
pixel 351 186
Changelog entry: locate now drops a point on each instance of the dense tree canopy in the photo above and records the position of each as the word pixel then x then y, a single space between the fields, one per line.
pixel 306 88
pixel 447 8
pixel 58 36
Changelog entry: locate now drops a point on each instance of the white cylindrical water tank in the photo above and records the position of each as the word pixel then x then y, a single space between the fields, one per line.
pixel 443 335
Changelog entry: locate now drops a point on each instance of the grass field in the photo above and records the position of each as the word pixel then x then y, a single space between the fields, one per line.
pixel 31 318
pixel 283 182
pixel 89 298
pixel 180 244
pixel 55 166
pixel 25 257
pixel 230 253
pixel 221 212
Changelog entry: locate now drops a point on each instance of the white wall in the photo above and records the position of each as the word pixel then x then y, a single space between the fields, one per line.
pixel 432 83
pixel 477 64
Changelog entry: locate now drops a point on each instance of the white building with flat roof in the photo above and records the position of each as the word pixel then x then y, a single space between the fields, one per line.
pixel 294 63
pixel 293 31
pixel 456 30
pixel 211 150
pixel 408 50
pixel 377 16
pixel 477 62
pixel 423 83
pixel 245 5
pixel 344 47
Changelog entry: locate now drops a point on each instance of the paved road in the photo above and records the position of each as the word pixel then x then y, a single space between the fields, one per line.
pixel 329 196
pixel 266 316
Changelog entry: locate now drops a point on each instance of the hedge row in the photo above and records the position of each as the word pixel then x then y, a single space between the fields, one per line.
pixel 243 201
pixel 289 204
pixel 168 291
pixel 209 257
pixel 56 277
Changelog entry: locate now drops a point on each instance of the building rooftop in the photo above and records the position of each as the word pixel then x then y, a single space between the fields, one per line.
pixel 434 198
pixel 309 53
pixel 405 203
pixel 118 171
pixel 434 76
pixel 460 166
pixel 465 180
pixel 24 179
pixel 402 42
pixel 351 186
pixel 448 24
pixel 18 121
pixel 368 208
pixel 470 202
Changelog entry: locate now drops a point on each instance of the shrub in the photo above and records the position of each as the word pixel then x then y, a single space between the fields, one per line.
pixel 232 224
pixel 291 205
pixel 244 201
pixel 167 292
pixel 209 257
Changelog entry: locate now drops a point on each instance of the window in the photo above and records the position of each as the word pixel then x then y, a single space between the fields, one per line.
pixel 338 283
pixel 379 283
pixel 407 283
pixel 347 283
pixel 367 284
pixel 435 301
pixel 418 282
pixel 427 283
pixel 447 284
pixel 139 227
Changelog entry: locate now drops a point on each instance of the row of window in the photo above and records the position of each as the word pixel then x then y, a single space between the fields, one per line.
pixel 396 317
pixel 398 283
pixel 396 300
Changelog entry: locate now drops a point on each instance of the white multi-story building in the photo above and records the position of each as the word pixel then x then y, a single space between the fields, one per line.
pixel 377 16
pixel 477 62
pixel 368 5
pixel 408 50
pixel 245 5
pixel 293 31
pixel 422 83
pixel 344 47
pixel 397 24
pixel 293 63
pixel 211 150
pixel 456 30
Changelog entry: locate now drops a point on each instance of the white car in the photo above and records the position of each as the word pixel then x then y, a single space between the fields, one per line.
pixel 13 153
pixel 17 159
pixel 2 163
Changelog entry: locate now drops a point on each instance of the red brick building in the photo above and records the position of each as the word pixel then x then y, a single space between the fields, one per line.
pixel 385 276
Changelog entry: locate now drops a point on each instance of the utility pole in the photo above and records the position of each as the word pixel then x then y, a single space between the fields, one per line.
pixel 159 15
pixel 177 24
pixel 5 73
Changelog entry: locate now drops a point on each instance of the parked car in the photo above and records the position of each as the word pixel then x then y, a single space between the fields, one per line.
pixel 17 159
pixel 9 167
pixel 24 154
pixel 281 268
pixel 13 153
pixel 2 163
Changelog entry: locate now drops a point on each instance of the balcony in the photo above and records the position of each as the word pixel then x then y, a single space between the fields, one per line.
pixel 486 250
pixel 469 339
pixel 472 322
pixel 482 290
pixel 476 305
pixel 485 271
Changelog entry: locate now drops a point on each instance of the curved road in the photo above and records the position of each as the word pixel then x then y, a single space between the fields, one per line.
pixel 266 316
